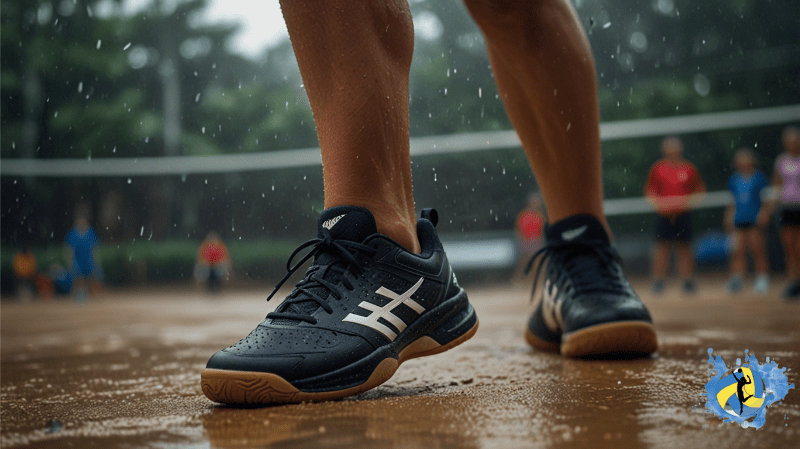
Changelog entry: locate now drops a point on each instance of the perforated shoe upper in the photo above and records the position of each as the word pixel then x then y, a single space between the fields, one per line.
pixel 359 294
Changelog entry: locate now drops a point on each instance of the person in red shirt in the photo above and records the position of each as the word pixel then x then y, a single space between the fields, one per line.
pixel 213 261
pixel 25 269
pixel 673 188
pixel 530 232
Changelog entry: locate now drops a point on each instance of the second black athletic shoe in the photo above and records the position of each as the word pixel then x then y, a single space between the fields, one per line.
pixel 364 306
pixel 584 304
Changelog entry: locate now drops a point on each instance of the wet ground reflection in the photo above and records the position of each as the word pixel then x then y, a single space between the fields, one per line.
pixel 124 373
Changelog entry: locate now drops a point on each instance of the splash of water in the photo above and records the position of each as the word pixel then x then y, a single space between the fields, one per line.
pixel 776 386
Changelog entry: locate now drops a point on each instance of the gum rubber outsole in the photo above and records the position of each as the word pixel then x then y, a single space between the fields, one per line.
pixel 245 387
pixel 623 338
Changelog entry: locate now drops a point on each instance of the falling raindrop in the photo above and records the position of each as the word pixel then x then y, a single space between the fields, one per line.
pixel 130 180
pixel 141 231
pixel 127 46
pixel 99 42
pixel 702 85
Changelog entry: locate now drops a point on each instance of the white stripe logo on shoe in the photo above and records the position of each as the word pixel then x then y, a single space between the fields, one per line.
pixel 328 224
pixel 385 312
pixel 551 307
pixel 572 234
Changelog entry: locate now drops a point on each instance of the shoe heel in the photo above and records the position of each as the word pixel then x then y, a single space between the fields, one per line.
pixel 458 328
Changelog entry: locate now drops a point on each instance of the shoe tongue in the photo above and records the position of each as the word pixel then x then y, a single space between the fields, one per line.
pixel 343 223
pixel 347 223
pixel 577 228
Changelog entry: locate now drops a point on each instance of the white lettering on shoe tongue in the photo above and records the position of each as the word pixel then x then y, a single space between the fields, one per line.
pixel 572 234
pixel 328 224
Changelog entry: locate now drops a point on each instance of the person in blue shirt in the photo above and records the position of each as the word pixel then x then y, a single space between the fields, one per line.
pixel 746 219
pixel 81 242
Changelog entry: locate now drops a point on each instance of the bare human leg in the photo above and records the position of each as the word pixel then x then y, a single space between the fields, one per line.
pixel 685 260
pixel 790 235
pixel 661 259
pixel 758 249
pixel 739 260
pixel 355 57
pixel 544 70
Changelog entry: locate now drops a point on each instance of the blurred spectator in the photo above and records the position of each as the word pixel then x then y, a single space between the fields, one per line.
pixel 746 220
pixel 212 262
pixel 530 232
pixel 62 280
pixel 57 280
pixel 25 269
pixel 81 243
pixel 674 187
pixel 786 181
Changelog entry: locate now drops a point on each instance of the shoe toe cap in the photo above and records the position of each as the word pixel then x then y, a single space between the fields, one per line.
pixel 605 310
pixel 292 353
pixel 286 366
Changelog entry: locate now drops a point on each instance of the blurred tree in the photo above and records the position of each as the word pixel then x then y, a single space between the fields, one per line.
pixel 81 79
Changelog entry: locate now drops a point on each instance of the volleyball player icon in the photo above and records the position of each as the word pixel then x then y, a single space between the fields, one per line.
pixel 740 383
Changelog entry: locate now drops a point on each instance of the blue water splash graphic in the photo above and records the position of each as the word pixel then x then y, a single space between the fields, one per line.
pixel 776 386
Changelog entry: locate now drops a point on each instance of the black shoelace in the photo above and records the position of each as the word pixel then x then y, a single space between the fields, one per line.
pixel 306 290
pixel 589 264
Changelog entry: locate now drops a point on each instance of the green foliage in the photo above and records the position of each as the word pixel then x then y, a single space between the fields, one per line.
pixel 76 85
pixel 167 260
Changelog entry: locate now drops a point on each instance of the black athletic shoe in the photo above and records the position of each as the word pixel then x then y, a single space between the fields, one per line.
pixel 657 287
pixel 689 286
pixel 364 306
pixel 792 292
pixel 584 304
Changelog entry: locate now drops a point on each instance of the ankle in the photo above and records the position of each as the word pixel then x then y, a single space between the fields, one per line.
pixel 393 222
pixel 404 235
pixel 398 226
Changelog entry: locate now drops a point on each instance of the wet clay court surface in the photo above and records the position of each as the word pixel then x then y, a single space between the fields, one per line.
pixel 123 371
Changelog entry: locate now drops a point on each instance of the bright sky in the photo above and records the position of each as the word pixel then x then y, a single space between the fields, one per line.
pixel 262 23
